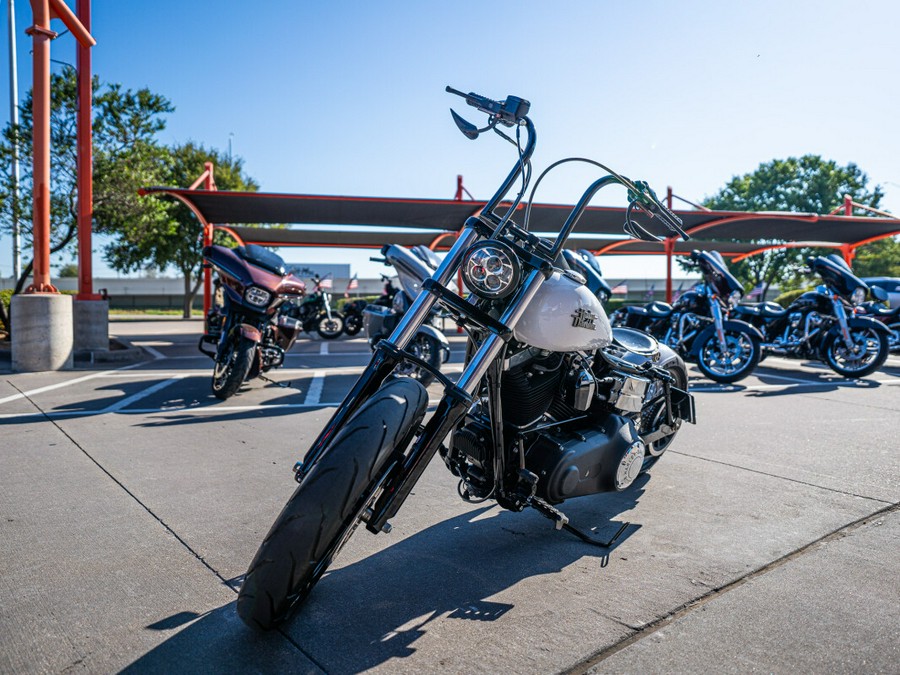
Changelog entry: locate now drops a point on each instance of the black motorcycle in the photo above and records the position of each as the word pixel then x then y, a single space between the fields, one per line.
pixel 586 264
pixel 552 403
pixel 315 312
pixel 822 324
pixel 353 316
pixel 697 325
pixel 429 344
pixel 889 316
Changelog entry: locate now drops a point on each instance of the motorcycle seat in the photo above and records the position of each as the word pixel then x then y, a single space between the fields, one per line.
pixel 658 309
pixel 768 310
pixel 875 310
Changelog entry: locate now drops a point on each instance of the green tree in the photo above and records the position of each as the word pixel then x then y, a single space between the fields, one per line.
pixel 69 270
pixel 808 184
pixel 175 240
pixel 126 157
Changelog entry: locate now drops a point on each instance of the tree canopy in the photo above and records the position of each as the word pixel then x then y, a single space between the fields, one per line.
pixel 128 155
pixel 807 184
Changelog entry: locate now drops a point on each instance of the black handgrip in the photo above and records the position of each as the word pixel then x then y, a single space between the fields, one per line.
pixel 483 103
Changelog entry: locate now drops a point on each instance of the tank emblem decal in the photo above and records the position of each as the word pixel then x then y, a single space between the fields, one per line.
pixel 583 318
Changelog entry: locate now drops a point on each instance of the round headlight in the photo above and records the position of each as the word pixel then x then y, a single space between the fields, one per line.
pixel 735 298
pixel 491 269
pixel 859 296
pixel 256 296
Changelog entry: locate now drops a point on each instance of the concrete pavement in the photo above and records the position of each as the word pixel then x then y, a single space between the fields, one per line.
pixel 131 502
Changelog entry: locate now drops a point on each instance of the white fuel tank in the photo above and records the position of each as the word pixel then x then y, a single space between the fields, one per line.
pixel 564 316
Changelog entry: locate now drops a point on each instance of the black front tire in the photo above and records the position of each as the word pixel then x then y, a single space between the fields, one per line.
pixel 845 363
pixel 353 323
pixel 229 375
pixel 326 507
pixel 741 356
pixel 330 328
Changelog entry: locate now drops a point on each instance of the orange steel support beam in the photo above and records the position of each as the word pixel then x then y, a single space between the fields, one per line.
pixel 41 35
pixel 209 182
pixel 84 136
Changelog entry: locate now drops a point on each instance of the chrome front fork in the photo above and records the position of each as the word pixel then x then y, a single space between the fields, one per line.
pixel 841 315
pixel 719 320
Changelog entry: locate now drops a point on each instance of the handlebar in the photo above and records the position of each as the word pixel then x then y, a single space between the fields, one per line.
pixel 644 196
pixel 510 112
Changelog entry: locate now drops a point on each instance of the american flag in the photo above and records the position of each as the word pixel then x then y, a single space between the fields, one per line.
pixel 352 285
pixel 325 283
pixel 651 291
pixel 678 292
pixel 621 289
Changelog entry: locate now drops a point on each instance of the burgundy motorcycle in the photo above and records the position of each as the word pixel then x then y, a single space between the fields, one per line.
pixel 251 329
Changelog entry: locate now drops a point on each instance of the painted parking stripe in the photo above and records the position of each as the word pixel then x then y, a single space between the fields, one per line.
pixel 144 393
pixel 314 393
pixel 323 349
pixel 60 385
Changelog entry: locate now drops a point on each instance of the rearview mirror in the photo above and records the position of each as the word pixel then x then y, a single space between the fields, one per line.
pixel 879 293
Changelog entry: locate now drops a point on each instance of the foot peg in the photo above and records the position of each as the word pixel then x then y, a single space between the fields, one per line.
pixel 561 522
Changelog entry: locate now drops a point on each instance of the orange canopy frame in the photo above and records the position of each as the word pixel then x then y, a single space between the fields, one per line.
pixel 435 223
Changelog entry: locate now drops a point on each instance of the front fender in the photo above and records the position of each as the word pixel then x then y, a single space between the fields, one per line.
pixel 250 332
pixel 866 322
pixel 731 324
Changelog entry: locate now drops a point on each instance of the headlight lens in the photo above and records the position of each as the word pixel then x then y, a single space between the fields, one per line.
pixel 859 296
pixel 258 297
pixel 491 269
pixel 734 299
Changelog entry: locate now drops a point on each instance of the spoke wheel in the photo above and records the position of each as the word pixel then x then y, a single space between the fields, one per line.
pixel 230 372
pixel 426 348
pixel 869 351
pixel 330 328
pixel 654 413
pixel 734 362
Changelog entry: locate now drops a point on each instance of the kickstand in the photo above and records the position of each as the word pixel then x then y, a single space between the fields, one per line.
pixel 283 385
pixel 561 520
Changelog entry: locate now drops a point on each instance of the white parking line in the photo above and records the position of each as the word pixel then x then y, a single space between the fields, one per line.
pixel 125 402
pixel 323 349
pixel 60 385
pixel 314 393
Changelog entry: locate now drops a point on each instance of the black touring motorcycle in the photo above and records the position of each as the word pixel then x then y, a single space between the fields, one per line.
pixel 698 326
pixel 822 324
pixel 552 402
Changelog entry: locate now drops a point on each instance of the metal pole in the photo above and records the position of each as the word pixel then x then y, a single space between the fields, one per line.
pixel 14 119
pixel 41 37
pixel 209 184
pixel 84 136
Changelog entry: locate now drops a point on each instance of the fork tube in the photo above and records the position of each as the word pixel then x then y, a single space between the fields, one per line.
pixel 716 311
pixel 417 313
pixel 492 346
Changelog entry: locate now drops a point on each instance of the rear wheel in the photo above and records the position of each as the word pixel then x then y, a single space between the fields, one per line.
pixel 326 507
pixel 734 362
pixel 230 372
pixel 331 327
pixel 654 415
pixel 869 352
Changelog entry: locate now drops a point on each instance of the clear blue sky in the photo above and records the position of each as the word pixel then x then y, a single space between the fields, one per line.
pixel 348 98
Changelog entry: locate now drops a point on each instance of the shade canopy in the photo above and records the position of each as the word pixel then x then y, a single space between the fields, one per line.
pixel 433 218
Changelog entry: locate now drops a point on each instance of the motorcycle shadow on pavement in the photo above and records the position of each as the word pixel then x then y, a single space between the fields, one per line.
pixel 375 609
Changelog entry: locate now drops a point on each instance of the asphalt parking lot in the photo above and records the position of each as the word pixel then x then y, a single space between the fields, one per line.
pixel 131 502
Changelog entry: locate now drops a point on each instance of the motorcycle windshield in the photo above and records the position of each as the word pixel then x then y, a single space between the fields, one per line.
pixel 262 257
pixel 837 274
pixel 717 275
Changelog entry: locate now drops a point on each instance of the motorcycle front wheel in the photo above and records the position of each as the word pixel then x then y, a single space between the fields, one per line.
pixel 230 372
pixel 353 323
pixel 328 505
pixel 735 362
pixel 426 348
pixel 870 350
pixel 330 328
pixel 654 413
pixel 894 337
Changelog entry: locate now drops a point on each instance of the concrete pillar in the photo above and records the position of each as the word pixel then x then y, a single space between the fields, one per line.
pixel 91 325
pixel 42 332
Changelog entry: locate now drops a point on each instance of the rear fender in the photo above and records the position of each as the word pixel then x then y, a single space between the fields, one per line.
pixel 731 324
